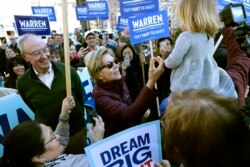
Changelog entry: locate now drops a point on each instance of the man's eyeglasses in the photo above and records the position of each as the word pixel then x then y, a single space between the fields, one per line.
pixel 110 64
pixel 38 52
pixel 165 44
pixel 53 136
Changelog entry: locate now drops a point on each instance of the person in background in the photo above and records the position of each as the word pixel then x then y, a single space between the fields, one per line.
pixel 75 60
pixel 164 48
pixel 56 55
pixel 79 36
pixel 9 52
pixel 122 41
pixel 51 42
pixel 3 47
pixel 135 73
pixel 110 41
pixel 33 144
pixel 104 43
pixel 13 45
pixel 213 134
pixel 90 39
pixel 59 41
pixel 43 87
pixel 111 95
pixel 16 69
pixel 132 71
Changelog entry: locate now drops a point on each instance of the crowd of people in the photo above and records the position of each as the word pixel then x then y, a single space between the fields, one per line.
pixel 203 108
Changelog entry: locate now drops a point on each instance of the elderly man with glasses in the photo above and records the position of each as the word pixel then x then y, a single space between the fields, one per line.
pixel 43 86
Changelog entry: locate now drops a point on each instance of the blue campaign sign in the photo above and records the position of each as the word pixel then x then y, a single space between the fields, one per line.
pixel 81 12
pixel 45 10
pixel 98 9
pixel 135 7
pixel 38 25
pixel 13 111
pixel 122 23
pixel 223 3
pixel 148 26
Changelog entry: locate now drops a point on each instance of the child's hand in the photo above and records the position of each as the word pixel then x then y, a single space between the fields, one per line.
pixel 97 131
pixel 67 105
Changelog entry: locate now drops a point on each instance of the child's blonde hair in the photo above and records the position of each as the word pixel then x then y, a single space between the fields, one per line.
pixel 199 15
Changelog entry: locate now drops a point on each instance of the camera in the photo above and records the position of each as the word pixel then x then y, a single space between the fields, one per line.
pixel 234 15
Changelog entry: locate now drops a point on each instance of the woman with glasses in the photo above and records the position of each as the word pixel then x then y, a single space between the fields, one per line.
pixel 31 144
pixel 112 98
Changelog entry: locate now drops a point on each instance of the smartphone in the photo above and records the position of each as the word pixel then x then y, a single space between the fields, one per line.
pixel 90 114
pixel 93 114
pixel 126 60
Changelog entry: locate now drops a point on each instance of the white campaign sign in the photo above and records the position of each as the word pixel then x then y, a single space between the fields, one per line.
pixel 136 146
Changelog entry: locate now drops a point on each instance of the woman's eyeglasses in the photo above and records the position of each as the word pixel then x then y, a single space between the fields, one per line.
pixel 53 136
pixel 110 64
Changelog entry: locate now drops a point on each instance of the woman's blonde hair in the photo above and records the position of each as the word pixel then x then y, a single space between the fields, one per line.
pixel 199 15
pixel 93 61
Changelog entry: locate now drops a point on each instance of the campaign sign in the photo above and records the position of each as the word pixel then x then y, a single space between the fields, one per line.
pixel 122 23
pixel 246 3
pixel 148 26
pixel 13 111
pixel 135 7
pixel 98 9
pixel 136 146
pixel 44 10
pixel 81 13
pixel 38 25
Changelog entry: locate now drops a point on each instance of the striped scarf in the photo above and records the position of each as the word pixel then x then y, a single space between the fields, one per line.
pixel 58 160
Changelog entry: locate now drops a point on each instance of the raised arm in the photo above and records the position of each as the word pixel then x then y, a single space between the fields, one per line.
pixel 238 64
pixel 62 128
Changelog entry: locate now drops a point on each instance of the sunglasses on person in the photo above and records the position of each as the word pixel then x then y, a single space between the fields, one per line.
pixel 110 64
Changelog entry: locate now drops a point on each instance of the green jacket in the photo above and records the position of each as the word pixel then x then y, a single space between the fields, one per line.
pixel 46 103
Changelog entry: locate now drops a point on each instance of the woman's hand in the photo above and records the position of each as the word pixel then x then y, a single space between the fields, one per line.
pixel 154 73
pixel 67 105
pixel 97 131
